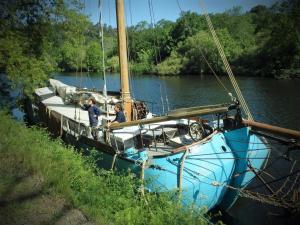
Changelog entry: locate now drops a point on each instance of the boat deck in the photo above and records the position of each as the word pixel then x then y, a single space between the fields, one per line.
pixel 159 136
pixel 160 149
pixel 70 111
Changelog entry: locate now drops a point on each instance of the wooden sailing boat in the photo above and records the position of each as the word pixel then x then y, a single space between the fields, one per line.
pixel 207 162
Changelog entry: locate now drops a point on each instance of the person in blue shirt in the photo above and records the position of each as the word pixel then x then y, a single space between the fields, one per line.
pixel 94 112
pixel 120 117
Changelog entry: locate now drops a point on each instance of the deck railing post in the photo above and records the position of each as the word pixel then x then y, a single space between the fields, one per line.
pixel 163 134
pixel 154 139
pixel 61 125
pixel 114 161
pixel 143 178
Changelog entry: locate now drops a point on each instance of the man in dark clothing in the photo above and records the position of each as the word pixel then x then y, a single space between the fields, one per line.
pixel 93 112
pixel 120 117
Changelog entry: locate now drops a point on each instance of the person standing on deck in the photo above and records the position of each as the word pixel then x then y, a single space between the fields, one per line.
pixel 94 112
pixel 120 117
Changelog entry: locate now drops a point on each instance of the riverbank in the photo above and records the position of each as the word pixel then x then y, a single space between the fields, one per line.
pixel 138 73
pixel 43 181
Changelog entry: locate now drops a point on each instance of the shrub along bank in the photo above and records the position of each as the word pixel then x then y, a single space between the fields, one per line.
pixel 104 196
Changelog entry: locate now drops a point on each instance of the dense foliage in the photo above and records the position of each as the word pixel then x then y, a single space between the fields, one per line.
pixel 38 37
pixel 104 196
pixel 262 42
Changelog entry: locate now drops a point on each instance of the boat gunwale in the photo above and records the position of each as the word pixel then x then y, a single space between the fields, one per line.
pixel 173 152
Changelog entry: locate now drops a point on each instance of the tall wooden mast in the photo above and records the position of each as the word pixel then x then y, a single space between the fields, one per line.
pixel 127 102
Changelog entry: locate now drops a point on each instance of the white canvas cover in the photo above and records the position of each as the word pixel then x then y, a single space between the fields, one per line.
pixel 43 91
pixel 62 89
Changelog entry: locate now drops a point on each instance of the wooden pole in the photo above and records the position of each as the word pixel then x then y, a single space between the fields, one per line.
pixel 127 102
pixel 174 116
pixel 273 129
pixel 180 175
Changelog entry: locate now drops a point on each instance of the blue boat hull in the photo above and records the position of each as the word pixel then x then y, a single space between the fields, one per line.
pixel 209 167
pixel 250 152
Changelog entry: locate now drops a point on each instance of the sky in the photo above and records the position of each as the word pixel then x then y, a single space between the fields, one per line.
pixel 163 9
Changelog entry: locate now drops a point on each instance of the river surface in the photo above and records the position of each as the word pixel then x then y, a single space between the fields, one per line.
pixel 272 101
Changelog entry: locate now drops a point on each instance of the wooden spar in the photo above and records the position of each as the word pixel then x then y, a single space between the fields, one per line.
pixel 127 102
pixel 180 115
pixel 273 129
pixel 181 110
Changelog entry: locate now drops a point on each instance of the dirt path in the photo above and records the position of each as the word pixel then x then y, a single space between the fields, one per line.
pixel 24 202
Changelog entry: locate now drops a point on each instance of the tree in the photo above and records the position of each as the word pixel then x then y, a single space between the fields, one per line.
pixel 35 36
pixel 94 56
pixel 280 53
pixel 201 45
pixel 164 39
pixel 23 54
pixel 188 24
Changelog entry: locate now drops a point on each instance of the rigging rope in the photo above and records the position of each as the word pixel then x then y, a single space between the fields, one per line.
pixel 166 94
pixel 101 35
pixel 268 199
pixel 158 55
pixel 288 179
pixel 214 73
pixel 128 51
pixel 206 61
pixel 273 199
pixel 179 6
pixel 82 42
pixel 79 57
pixel 109 12
pixel 225 62
pixel 286 196
pixel 162 99
pixel 153 25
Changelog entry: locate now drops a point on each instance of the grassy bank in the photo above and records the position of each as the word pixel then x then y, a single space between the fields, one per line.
pixel 105 197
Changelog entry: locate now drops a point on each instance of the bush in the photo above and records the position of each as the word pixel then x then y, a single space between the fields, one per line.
pixel 113 64
pixel 171 66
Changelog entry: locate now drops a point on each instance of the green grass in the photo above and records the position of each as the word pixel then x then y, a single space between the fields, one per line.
pixel 104 196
